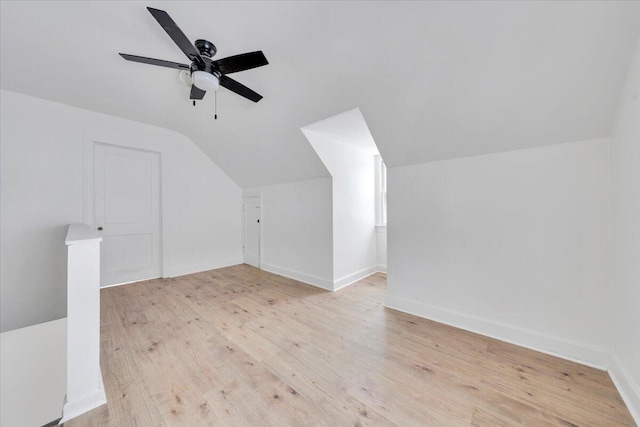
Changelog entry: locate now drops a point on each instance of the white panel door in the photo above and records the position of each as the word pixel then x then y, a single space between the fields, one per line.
pixel 251 231
pixel 127 213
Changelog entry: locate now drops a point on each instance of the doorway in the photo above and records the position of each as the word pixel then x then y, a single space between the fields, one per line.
pixel 127 206
pixel 251 230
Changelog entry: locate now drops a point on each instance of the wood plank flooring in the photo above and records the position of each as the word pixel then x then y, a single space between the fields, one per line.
pixel 241 347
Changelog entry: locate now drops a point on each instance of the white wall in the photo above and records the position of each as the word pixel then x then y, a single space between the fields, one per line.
pixel 33 374
pixel 42 193
pixel 297 230
pixel 513 245
pixel 354 209
pixel 625 166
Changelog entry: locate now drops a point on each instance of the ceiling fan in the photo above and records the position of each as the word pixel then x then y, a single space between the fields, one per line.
pixel 206 74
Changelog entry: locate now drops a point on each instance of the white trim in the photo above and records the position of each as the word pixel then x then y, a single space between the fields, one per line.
pixel 381 190
pixel 321 282
pixel 352 278
pixel 78 234
pixel 381 268
pixel 309 279
pixel 88 185
pixel 207 265
pixel 585 354
pixel 626 385
pixel 87 403
pixel 115 285
pixel 191 269
pixel 381 228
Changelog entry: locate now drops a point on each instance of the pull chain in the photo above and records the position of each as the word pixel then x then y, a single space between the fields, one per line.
pixel 215 114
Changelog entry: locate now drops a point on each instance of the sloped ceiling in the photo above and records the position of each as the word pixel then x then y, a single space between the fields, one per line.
pixel 433 80
pixel 349 128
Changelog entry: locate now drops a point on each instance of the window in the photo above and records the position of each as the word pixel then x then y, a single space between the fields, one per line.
pixel 381 192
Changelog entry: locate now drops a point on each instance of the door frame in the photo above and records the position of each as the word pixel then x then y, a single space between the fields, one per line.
pixel 89 143
pixel 254 196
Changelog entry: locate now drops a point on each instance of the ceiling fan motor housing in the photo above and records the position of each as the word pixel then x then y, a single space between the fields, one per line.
pixel 206 48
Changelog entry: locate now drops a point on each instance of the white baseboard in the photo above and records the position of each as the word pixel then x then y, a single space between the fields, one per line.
pixel 189 269
pixel 127 283
pixel 204 265
pixel 309 279
pixel 321 282
pixel 627 387
pixel 353 277
pixel 80 406
pixel 577 352
pixel 381 268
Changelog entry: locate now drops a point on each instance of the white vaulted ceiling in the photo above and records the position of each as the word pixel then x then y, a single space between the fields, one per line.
pixel 433 80
pixel 348 128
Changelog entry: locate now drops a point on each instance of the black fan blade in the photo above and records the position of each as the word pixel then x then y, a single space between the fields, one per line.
pixel 197 93
pixel 239 88
pixel 244 61
pixel 152 61
pixel 176 34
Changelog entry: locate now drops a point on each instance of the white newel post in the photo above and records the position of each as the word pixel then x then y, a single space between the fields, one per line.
pixel 85 390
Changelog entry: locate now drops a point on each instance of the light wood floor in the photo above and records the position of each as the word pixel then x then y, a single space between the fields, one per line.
pixel 242 347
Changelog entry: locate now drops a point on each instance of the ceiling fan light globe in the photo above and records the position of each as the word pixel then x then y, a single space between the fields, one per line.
pixel 205 81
